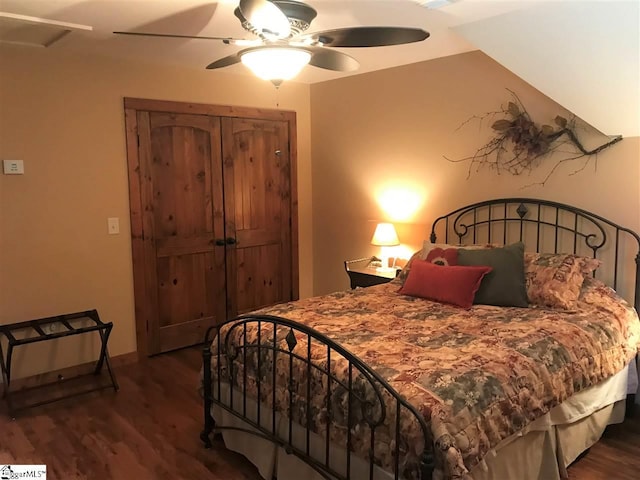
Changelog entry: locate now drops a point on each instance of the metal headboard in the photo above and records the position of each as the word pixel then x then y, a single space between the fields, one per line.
pixel 546 226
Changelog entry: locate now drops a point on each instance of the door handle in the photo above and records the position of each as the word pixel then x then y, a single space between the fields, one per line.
pixel 220 242
pixel 231 241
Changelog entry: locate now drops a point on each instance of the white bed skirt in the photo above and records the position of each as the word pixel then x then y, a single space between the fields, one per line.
pixel 542 451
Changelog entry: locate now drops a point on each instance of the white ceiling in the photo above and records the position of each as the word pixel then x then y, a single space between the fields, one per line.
pixel 200 17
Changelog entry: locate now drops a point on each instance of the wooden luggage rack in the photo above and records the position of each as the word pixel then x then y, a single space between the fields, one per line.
pixel 51 328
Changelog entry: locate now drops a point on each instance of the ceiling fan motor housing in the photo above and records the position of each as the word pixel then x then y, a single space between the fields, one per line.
pixel 300 16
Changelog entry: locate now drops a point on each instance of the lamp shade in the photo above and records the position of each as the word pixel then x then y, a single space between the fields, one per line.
pixel 385 235
pixel 276 63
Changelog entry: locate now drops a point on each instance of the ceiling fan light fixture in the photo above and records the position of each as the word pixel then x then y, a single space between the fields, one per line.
pixel 276 63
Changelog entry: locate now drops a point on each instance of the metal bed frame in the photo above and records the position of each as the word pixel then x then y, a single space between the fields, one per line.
pixel 502 221
pixel 584 232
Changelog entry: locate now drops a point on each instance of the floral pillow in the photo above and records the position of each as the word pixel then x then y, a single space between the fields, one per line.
pixel 437 253
pixel 446 257
pixel 554 280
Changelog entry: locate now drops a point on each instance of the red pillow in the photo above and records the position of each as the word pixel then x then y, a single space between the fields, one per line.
pixel 456 285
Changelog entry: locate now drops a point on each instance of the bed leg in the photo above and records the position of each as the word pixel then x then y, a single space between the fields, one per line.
pixel 427 466
pixel 206 439
pixel 630 407
pixel 209 423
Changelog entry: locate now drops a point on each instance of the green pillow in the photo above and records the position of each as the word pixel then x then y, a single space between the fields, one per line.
pixel 505 285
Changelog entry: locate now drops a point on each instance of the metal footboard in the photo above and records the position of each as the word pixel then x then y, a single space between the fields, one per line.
pixel 254 353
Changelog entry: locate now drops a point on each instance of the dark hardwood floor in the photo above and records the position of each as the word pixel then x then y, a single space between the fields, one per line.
pixel 150 429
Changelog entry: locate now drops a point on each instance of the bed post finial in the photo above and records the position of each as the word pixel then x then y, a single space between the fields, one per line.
pixel 432 237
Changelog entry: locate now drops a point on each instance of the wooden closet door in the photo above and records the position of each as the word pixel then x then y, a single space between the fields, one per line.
pixel 257 182
pixel 183 215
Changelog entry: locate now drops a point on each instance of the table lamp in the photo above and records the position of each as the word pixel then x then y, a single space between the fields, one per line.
pixel 385 236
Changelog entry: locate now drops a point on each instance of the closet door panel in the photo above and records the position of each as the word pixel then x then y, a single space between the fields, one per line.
pixel 183 210
pixel 258 210
pixel 257 281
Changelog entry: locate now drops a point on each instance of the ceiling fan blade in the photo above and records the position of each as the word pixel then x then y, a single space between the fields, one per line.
pixel 171 35
pixel 224 62
pixel 265 17
pixel 370 36
pixel 332 60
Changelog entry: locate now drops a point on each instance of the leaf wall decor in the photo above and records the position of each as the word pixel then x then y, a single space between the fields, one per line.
pixel 519 144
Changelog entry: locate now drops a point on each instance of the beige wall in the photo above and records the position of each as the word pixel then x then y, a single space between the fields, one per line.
pixel 64 117
pixel 388 130
pixel 372 134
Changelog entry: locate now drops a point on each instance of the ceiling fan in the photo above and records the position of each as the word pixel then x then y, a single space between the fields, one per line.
pixel 282 47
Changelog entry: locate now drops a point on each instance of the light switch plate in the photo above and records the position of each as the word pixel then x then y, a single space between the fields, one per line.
pixel 13 167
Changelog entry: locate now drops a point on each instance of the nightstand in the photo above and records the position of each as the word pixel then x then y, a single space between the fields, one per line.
pixel 362 274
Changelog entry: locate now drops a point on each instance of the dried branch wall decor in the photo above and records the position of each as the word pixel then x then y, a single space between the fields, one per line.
pixel 519 144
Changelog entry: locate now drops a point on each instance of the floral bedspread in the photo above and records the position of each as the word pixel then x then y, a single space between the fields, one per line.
pixel 478 376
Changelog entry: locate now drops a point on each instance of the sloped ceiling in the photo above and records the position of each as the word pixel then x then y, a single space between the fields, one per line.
pixel 584 55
